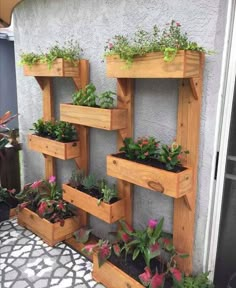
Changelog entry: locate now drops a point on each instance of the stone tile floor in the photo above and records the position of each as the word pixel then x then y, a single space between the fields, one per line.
pixel 26 261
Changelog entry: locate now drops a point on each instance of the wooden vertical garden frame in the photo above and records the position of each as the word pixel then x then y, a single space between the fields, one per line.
pixel 79 72
pixel 188 67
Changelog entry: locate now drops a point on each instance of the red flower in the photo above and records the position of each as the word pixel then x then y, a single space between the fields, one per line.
pixel 157 280
pixel 125 237
pixel 145 277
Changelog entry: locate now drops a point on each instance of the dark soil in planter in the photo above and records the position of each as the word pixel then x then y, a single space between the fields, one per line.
pixel 135 268
pixel 152 162
pixel 4 211
pixel 95 192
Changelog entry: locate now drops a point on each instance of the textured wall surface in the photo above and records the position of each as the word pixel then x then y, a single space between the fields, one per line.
pixel 42 22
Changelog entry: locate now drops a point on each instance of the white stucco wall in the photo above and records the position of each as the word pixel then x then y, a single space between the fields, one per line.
pixel 42 22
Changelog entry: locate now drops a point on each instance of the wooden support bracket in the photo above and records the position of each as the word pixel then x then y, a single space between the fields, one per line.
pixel 125 99
pixel 82 80
pixel 40 81
pixel 195 84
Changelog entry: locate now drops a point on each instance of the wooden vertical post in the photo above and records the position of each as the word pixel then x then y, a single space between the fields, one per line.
pixel 48 115
pixel 125 100
pixel 188 130
pixel 83 132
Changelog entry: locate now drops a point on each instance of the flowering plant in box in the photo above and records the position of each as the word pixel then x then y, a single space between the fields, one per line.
pixel 171 155
pixel 143 148
pixel 45 198
pixel 169 41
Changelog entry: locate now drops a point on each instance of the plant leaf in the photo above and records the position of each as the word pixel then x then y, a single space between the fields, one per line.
pixel 157 280
pixel 82 235
pixel 145 277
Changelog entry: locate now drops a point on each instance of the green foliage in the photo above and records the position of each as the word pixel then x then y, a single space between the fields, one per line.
pixel 105 100
pixel 76 178
pixel 107 193
pixel 69 51
pixel 171 155
pixel 169 41
pixel 88 97
pixel 199 281
pixel 6 195
pixel 142 149
pixel 85 97
pixel 89 182
pixel 60 131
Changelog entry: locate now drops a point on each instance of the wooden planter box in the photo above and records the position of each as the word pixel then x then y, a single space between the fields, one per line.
pixel 60 68
pixel 169 183
pixel 54 148
pixel 111 276
pixel 109 213
pixel 51 233
pixel 108 119
pixel 152 65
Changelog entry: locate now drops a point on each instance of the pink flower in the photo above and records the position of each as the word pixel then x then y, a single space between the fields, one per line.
pixel 152 223
pixel 61 205
pixel 146 153
pixel 52 179
pixel 110 45
pixel 157 280
pixel 179 157
pixel 177 274
pixel 36 184
pixel 43 206
pixel 89 248
pixel 178 24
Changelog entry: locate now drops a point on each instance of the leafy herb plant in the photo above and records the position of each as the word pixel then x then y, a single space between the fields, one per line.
pixel 88 97
pixel 169 41
pixel 69 51
pixel 108 193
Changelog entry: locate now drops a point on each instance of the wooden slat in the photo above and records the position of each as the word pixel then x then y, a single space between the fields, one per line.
pixel 107 119
pixel 59 68
pixel 125 100
pixel 109 213
pixel 169 183
pixel 49 232
pixel 186 64
pixel 189 111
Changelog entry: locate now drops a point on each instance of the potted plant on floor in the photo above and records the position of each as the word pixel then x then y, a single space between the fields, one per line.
pixel 94 110
pixel 146 163
pixel 8 201
pixel 157 54
pixel 43 211
pixel 57 139
pixel 94 196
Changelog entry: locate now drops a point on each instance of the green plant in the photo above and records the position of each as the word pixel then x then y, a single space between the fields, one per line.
pixel 76 178
pixel 69 51
pixel 45 198
pixel 64 132
pixel 169 41
pixel 171 155
pixel 199 281
pixel 88 97
pixel 89 182
pixel 142 149
pixel 108 193
pixel 105 100
pixel 6 194
pixel 4 136
pixel 60 131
